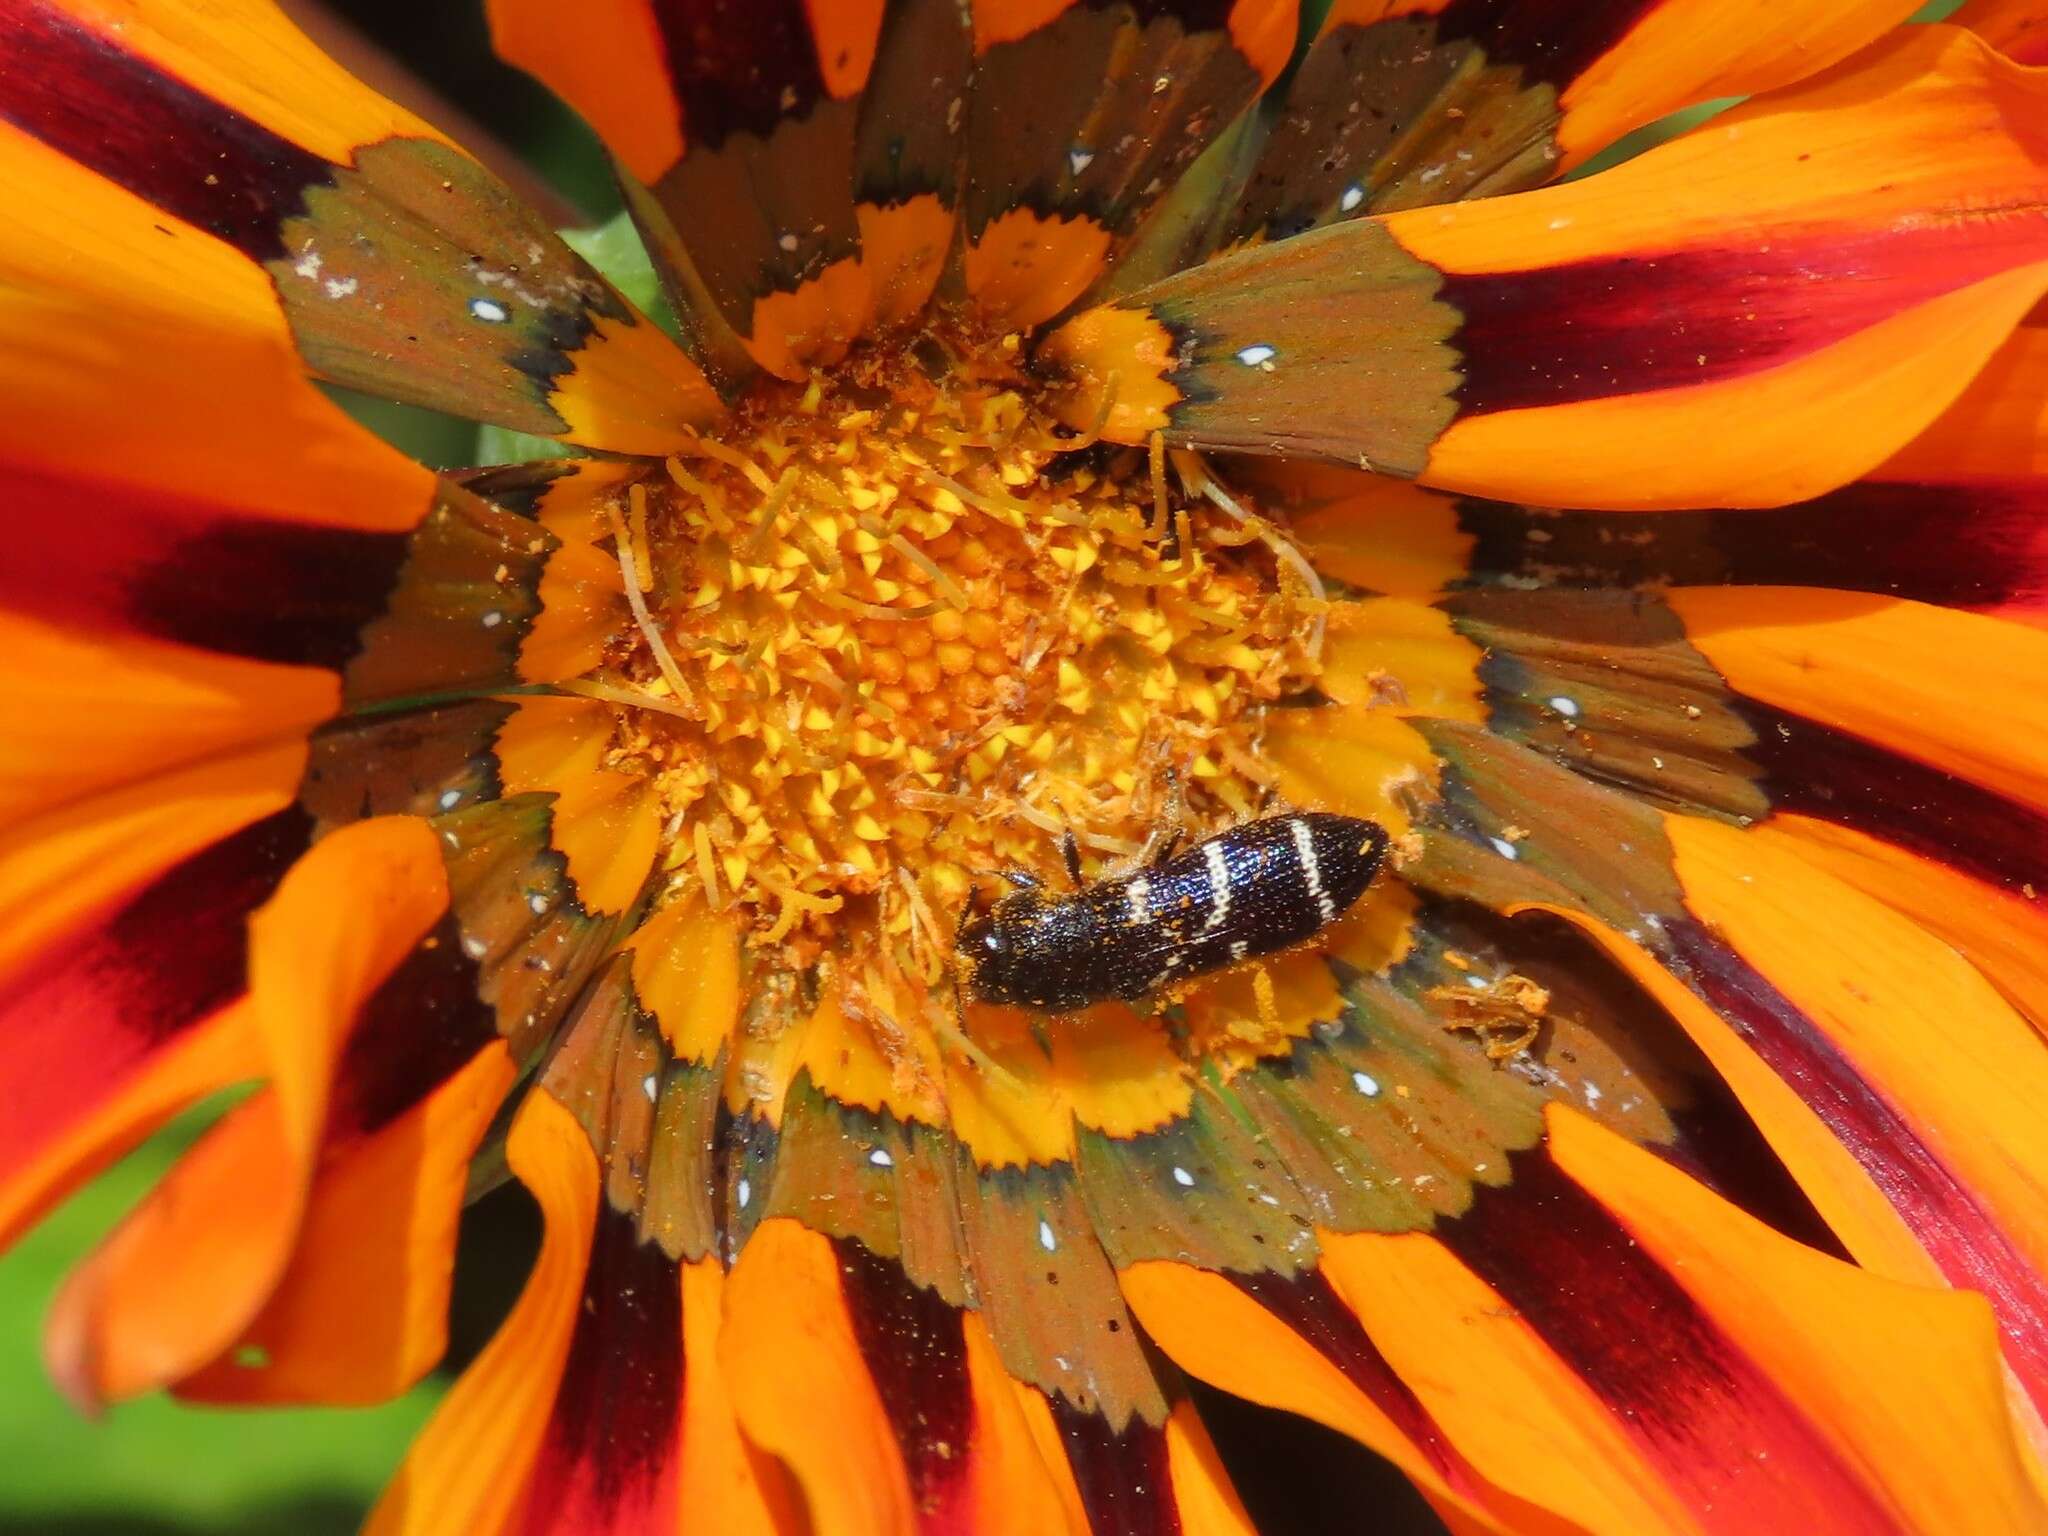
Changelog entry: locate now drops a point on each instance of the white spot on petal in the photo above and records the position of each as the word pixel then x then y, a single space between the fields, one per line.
pixel 650 1087
pixel 340 287
pixel 491 310
pixel 450 798
pixel 537 902
pixel 493 619
pixel 1353 196
pixel 1257 355
pixel 745 1193
pixel 1080 159
pixel 1503 847
pixel 881 1158
pixel 1366 1085
pixel 1183 1178
pixel 1567 707
pixel 1045 1238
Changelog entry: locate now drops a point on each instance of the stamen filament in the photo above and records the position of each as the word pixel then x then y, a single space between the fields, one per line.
pixel 637 601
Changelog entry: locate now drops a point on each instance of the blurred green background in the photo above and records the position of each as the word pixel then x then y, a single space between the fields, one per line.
pixel 159 1468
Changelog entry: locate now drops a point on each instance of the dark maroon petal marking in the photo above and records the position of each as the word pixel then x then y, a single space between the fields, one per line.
pixel 1814 770
pixel 912 1341
pixel 1552 40
pixel 192 156
pixel 1964 1242
pixel 1701 1410
pixel 1125 1484
pixel 87 1013
pixel 419 1028
pixel 181 570
pixel 1981 544
pixel 739 66
pixel 1306 1304
pixel 1633 324
pixel 608 1464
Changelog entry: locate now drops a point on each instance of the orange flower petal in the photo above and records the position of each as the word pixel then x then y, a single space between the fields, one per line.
pixel 1849 1199
pixel 88 713
pixel 360 1312
pixel 1414 103
pixel 399 264
pixel 186 570
pixel 2004 935
pixel 730 1485
pixel 100 309
pixel 1934 1051
pixel 1500 1395
pixel 1291 1344
pixel 1887 671
pixel 43 1165
pixel 1677 52
pixel 2016 28
pixel 1203 1499
pixel 1789 431
pixel 606 60
pixel 1905 1382
pixel 609 1463
pixel 1797 188
pixel 467 1471
pixel 1998 427
pixel 128 955
pixel 931 1434
pixel 1572 346
pixel 184 1274
pixel 792 1362
pixel 1630 1406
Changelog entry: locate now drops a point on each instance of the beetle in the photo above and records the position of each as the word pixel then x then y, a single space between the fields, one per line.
pixel 1254 889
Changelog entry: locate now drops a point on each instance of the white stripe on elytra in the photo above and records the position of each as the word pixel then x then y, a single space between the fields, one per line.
pixel 1219 886
pixel 1311 871
pixel 1135 893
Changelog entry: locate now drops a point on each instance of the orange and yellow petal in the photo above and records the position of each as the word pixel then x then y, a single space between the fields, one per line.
pixel 399 266
pixel 180 1278
pixel 1412 103
pixel 1570 346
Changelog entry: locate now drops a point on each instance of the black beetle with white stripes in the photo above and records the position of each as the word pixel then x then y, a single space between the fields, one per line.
pixel 1253 890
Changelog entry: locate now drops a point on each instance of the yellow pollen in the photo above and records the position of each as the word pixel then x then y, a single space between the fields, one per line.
pixel 911 634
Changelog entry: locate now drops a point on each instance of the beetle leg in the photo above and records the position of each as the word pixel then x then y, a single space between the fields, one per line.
pixel 1166 837
pixel 1022 879
pixel 1071 852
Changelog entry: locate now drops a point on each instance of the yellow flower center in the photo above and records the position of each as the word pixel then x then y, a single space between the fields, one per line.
pixel 913 634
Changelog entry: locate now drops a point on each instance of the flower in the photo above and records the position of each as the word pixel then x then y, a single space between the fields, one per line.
pixel 1656 1146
